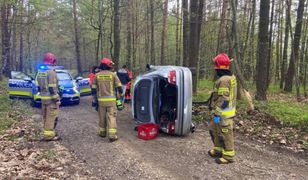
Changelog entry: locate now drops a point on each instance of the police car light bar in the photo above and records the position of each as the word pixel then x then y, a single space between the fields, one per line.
pixel 45 67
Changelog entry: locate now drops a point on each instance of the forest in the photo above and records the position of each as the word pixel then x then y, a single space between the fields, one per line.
pixel 266 39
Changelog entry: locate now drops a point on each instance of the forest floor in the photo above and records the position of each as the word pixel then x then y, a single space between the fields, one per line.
pixel 83 154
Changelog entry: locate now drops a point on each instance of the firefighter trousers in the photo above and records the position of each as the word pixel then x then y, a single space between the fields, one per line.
pixel 107 119
pixel 222 137
pixel 50 117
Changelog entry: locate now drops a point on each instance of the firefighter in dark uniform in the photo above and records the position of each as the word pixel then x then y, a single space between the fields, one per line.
pixel 224 108
pixel 104 89
pixel 47 83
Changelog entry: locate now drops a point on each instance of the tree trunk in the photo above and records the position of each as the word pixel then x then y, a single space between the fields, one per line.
pixel 269 56
pixel 152 32
pixel 185 32
pixel 286 43
pixel 221 43
pixel 193 41
pixel 116 32
pixel 295 48
pixel 21 40
pixel 236 55
pixel 177 43
pixel 77 37
pixel 14 39
pixel 262 61
pixel 277 42
pixel 128 34
pixel 6 36
pixel 251 51
pixel 164 34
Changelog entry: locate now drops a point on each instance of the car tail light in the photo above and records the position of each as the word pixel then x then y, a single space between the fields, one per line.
pixel 172 77
pixel 171 127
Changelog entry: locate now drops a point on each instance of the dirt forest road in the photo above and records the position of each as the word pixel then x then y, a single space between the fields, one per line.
pixel 166 157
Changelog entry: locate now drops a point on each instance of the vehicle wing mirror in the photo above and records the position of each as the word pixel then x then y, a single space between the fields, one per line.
pixel 28 79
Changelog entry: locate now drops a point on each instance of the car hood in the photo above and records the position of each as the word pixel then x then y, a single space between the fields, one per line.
pixel 66 83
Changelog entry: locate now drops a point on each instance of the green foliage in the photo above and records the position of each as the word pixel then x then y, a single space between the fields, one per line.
pixel 10 110
pixel 204 90
pixel 292 114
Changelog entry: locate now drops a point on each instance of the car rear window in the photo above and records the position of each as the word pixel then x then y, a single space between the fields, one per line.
pixel 62 76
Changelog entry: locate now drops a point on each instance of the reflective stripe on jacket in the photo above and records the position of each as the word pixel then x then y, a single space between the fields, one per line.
pixel 224 99
pixel 105 83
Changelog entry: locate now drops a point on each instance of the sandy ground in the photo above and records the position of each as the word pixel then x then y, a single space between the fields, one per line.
pixel 167 157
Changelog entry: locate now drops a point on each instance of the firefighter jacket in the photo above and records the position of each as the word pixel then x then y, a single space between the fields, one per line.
pixel 224 96
pixel 104 85
pixel 47 83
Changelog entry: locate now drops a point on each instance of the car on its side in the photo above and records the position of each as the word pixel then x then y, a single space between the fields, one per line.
pixel 163 96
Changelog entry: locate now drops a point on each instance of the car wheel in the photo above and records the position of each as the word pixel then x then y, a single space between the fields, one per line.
pixel 35 104
pixel 77 102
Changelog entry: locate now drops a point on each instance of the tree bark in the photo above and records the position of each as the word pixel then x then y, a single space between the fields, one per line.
pixel 221 43
pixel 185 32
pixel 21 40
pixel 269 56
pixel 164 33
pixel 128 33
pixel 294 53
pixel 116 32
pixel 6 37
pixel 177 43
pixel 193 42
pixel 262 61
pixel 77 38
pixel 286 43
pixel 236 55
pixel 152 32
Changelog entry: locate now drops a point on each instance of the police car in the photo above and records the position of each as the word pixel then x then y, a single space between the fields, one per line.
pixel 22 85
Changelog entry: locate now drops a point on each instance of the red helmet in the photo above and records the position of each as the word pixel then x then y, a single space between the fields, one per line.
pixel 222 61
pixel 107 61
pixel 50 59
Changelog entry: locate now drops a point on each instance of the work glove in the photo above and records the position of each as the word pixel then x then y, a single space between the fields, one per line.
pixel 217 119
pixel 94 103
pixel 119 104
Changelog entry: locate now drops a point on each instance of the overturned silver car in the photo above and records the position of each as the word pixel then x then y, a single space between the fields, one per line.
pixel 163 96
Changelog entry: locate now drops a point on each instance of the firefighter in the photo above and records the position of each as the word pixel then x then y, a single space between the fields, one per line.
pixel 223 106
pixel 47 83
pixel 104 89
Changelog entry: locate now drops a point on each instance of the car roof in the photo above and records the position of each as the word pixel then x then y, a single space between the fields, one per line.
pixel 61 70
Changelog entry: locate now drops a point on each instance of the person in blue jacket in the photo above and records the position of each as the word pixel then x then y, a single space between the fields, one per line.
pixel 124 78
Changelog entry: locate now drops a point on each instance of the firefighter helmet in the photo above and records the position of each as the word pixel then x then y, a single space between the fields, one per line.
pixel 222 61
pixel 50 59
pixel 107 62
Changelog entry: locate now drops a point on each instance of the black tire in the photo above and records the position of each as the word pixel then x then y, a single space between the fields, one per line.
pixel 35 104
pixel 77 102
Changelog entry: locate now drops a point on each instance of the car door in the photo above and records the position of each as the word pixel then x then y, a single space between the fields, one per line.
pixel 20 85
pixel 82 81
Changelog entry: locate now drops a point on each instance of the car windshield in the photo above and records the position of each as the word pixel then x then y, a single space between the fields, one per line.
pixel 62 76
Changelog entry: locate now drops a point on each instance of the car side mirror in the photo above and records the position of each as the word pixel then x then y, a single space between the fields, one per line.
pixel 78 79
pixel 28 79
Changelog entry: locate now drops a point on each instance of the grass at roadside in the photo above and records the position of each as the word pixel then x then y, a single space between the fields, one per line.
pixel 291 114
pixel 10 110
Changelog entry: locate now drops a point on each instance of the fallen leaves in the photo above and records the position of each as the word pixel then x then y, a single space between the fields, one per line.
pixel 262 127
pixel 23 156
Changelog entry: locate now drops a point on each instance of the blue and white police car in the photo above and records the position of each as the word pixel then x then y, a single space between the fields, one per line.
pixel 22 85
